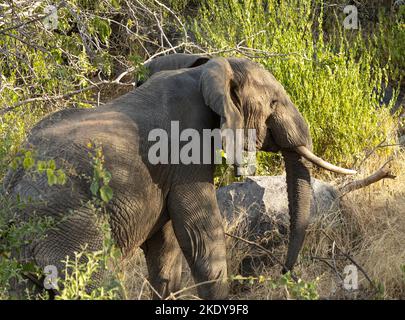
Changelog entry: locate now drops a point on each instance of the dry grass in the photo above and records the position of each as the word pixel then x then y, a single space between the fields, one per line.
pixel 370 227
pixel 380 215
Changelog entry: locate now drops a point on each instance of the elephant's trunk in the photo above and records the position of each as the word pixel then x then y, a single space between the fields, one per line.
pixel 299 197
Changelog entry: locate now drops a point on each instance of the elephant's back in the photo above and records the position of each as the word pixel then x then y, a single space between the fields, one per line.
pixel 69 137
pixel 63 123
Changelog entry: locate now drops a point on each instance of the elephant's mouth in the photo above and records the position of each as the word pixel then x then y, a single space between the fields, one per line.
pixel 269 144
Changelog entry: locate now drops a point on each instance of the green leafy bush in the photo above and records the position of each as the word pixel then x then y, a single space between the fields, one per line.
pixel 45 70
pixel 80 270
pixel 14 233
pixel 298 289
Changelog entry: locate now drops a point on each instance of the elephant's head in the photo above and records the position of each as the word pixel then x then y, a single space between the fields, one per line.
pixel 245 95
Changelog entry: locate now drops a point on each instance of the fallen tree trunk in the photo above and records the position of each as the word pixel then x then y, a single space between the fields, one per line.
pixel 383 173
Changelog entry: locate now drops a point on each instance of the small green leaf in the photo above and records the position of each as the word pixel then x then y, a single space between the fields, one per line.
pixel 106 177
pixel 116 4
pixel 29 267
pixel 41 166
pixel 61 177
pixel 28 162
pixel 15 163
pixel 51 164
pixel 52 179
pixel 96 173
pixel 94 187
pixel 106 193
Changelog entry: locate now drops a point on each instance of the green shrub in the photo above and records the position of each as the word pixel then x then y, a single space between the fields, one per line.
pixel 74 282
pixel 40 65
pixel 298 289
pixel 13 234
pixel 80 270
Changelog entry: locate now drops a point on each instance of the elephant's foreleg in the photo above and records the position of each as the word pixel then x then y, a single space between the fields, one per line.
pixel 164 260
pixel 198 227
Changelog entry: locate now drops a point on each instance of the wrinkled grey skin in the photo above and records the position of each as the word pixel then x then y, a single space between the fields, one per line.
pixel 165 209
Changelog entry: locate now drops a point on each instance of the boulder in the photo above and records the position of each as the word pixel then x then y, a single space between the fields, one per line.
pixel 257 210
pixel 260 203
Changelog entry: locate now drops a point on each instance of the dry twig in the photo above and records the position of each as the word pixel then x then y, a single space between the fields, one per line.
pixel 293 276
pixel 347 256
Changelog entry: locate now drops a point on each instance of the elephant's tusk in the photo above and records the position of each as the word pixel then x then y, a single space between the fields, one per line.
pixel 303 151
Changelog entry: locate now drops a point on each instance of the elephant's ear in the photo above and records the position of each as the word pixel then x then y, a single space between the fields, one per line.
pixel 217 85
pixel 175 61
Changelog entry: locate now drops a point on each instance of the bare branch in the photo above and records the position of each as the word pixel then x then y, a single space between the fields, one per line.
pixel 64 96
pixel 351 260
pixel 39 18
pixel 293 276
pixel 164 52
pixel 176 17
pixel 383 173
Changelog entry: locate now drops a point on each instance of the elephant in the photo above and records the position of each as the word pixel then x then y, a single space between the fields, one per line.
pixel 167 209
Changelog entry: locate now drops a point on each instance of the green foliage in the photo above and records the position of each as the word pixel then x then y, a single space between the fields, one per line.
pixel 80 277
pixel 76 281
pixel 14 233
pixel 100 27
pixel 299 289
pixel 332 75
pixel 334 86
pixel 390 43
pixel 79 274
pixel 9 269
pixel 380 292
pixel 182 5
pixel 85 265
pixel 382 28
pixel 40 63
pixel 26 160
pixel 101 177
pixel 13 128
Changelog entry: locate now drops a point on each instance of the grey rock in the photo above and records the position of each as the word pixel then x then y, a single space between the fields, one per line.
pixel 260 203
pixel 257 209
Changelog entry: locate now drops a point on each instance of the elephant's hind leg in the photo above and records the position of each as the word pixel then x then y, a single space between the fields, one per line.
pixel 164 260
pixel 78 233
